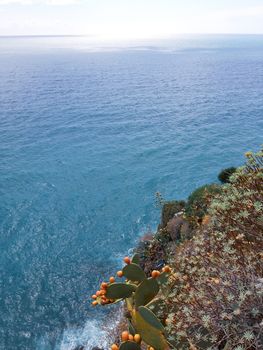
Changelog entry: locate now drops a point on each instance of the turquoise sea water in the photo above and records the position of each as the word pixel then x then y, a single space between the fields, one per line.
pixel 88 134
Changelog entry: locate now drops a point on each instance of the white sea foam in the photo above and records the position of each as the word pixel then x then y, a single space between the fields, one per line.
pixel 95 333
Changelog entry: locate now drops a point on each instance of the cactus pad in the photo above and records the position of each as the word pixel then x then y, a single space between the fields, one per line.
pixel 136 259
pixel 129 345
pixel 133 272
pixel 150 335
pixel 131 328
pixel 150 318
pixel 120 290
pixel 146 291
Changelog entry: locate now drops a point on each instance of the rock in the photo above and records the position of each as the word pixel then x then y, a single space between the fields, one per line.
pixel 179 228
pixel 174 228
pixel 186 230
pixel 147 237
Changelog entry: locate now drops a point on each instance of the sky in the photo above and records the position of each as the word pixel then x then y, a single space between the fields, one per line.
pixel 130 19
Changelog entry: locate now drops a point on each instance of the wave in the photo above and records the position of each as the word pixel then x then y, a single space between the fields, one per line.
pixel 95 333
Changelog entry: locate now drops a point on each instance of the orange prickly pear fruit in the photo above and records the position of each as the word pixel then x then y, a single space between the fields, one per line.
pixel 112 279
pixel 131 337
pixel 103 285
pixel 155 273
pixel 119 273
pixel 125 336
pixel 137 338
pixel 94 303
pixel 167 268
pixel 94 296
pixel 127 260
pixel 114 347
pixel 98 293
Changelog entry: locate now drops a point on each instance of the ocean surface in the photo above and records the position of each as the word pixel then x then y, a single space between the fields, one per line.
pixel 88 134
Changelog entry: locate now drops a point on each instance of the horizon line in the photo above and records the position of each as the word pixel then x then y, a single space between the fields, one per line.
pixel 96 37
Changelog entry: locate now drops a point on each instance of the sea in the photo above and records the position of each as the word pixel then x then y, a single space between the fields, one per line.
pixel 89 132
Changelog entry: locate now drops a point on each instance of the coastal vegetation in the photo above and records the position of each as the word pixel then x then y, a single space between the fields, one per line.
pixel 198 282
pixel 225 174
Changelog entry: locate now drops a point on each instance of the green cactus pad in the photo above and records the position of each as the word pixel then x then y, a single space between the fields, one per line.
pixel 135 259
pixel 120 290
pixel 146 291
pixel 131 328
pixel 150 318
pixel 150 335
pixel 133 272
pixel 129 345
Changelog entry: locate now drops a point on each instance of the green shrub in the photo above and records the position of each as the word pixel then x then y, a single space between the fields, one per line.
pixel 225 174
pixel 169 209
pixel 199 200
pixel 239 209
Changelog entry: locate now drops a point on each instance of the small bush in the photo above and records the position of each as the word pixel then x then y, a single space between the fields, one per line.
pixel 199 200
pixel 169 209
pixel 238 209
pixel 225 174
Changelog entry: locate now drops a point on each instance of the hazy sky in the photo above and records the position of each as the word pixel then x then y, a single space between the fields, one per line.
pixel 129 19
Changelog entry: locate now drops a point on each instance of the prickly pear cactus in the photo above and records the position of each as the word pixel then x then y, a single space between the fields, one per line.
pixel 139 292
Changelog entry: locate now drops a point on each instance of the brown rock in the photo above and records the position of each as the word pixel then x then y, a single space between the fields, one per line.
pixel 179 228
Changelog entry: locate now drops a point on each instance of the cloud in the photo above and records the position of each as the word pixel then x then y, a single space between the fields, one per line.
pixel 38 2
pixel 124 19
pixel 251 11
